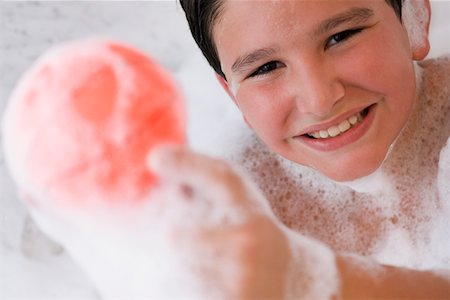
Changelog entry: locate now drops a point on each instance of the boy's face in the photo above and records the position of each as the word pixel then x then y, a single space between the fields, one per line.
pixel 326 84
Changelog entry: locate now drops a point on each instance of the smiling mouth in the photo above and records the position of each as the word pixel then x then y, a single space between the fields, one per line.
pixel 340 128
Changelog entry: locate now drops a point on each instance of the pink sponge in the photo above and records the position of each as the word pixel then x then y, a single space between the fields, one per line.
pixel 80 124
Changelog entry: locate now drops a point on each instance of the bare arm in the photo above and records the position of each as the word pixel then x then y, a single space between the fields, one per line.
pixel 359 280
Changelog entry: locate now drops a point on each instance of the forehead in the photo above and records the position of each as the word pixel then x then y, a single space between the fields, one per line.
pixel 282 14
pixel 270 11
pixel 243 25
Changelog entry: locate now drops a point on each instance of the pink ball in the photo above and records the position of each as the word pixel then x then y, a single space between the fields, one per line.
pixel 81 122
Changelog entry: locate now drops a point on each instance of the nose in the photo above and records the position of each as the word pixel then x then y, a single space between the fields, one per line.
pixel 317 88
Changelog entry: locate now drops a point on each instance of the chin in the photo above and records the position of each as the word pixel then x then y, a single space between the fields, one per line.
pixel 350 176
pixel 353 168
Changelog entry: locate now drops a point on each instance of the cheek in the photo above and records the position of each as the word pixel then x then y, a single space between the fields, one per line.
pixel 382 65
pixel 263 109
pixel 394 78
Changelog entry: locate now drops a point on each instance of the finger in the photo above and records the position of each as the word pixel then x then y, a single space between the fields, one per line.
pixel 197 172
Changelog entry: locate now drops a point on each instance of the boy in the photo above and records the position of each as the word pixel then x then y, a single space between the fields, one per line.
pixel 330 86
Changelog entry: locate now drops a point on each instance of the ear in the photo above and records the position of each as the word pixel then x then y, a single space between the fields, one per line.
pixel 226 87
pixel 416 19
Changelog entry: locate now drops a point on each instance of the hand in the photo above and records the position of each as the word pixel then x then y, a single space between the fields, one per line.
pixel 243 252
pixel 226 233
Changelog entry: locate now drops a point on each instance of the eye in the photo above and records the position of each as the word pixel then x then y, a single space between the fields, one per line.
pixel 267 68
pixel 342 36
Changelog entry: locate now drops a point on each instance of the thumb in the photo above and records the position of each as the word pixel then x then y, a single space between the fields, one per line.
pixel 208 178
pixel 212 176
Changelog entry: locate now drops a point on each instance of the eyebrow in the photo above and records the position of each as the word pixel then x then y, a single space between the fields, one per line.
pixel 242 62
pixel 354 15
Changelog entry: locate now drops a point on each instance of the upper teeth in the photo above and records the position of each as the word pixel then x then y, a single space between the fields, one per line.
pixel 337 129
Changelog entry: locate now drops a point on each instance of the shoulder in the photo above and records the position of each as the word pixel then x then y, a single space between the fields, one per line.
pixel 436 81
pixel 437 63
pixel 435 75
pixel 434 95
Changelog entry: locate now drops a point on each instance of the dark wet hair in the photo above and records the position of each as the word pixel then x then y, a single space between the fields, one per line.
pixel 202 15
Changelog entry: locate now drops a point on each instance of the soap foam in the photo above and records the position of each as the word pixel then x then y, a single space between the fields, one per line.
pixel 313 272
pixel 234 87
pixel 414 18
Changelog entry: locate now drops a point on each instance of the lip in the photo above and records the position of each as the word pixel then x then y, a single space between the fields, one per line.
pixel 348 137
pixel 334 122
